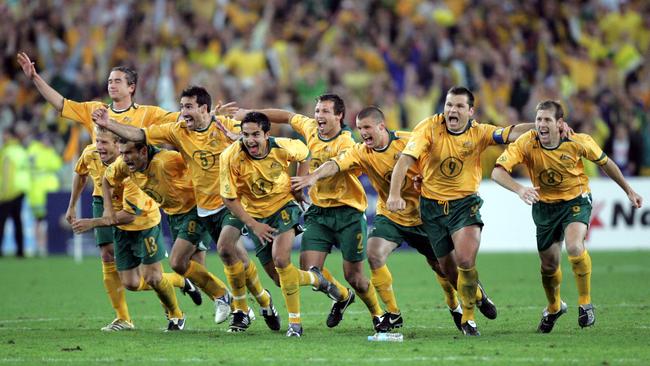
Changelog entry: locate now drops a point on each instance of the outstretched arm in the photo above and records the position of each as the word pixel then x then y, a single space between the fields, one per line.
pixel 612 171
pixel 100 116
pixel 274 115
pixel 121 218
pixel 395 202
pixel 326 170
pixel 51 95
pixel 529 195
pixel 78 183
pixel 519 129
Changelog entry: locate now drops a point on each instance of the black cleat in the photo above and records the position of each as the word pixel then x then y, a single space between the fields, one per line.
pixel 469 329
pixel 376 322
pixel 338 308
pixel 270 315
pixel 294 330
pixel 192 291
pixel 176 324
pixel 457 316
pixel 586 315
pixel 389 321
pixel 240 322
pixel 324 285
pixel 485 305
pixel 548 319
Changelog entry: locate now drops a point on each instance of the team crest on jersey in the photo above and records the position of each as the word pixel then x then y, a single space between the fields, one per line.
pixel 451 167
pixel 276 170
pixel 550 177
pixel 154 195
pixel 262 187
pixel 575 209
pixel 205 159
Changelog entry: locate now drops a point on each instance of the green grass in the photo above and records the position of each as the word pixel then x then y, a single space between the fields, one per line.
pixel 51 311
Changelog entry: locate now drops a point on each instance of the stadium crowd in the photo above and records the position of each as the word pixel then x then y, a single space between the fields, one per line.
pixel 400 56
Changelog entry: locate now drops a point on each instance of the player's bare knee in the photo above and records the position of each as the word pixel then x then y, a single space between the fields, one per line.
pixel 574 248
pixel 130 284
pixel 153 279
pixel 107 253
pixel 375 260
pixel 227 254
pixel 281 261
pixel 178 265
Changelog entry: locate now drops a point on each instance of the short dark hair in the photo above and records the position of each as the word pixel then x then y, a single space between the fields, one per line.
pixel 257 117
pixel 548 105
pixel 373 112
pixel 202 95
pixel 461 90
pixel 130 74
pixel 137 144
pixel 339 105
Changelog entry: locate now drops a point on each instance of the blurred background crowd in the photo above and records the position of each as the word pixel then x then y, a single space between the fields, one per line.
pixel 592 55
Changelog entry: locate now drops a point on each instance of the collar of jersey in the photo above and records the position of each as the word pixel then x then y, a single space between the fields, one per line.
pixel 562 139
pixel 344 128
pixel 133 105
pixel 391 136
pixel 469 124
pixel 206 127
pixel 272 144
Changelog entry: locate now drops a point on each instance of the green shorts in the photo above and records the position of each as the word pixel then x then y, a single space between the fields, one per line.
pixel 414 236
pixel 216 222
pixel 285 219
pixel 133 248
pixel 443 218
pixel 187 226
pixel 344 227
pixel 551 219
pixel 103 235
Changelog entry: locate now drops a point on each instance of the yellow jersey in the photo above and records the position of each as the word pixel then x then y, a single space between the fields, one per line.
pixel 136 115
pixel 559 172
pixel 262 184
pixel 126 196
pixel 344 188
pixel 200 150
pixel 165 179
pixel 451 162
pixel 378 166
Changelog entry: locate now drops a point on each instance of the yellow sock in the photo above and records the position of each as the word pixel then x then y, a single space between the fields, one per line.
pixel 205 280
pixel 467 283
pixel 551 283
pixel 342 290
pixel 306 278
pixel 175 279
pixel 167 296
pixel 382 280
pixel 370 299
pixel 581 265
pixel 143 286
pixel 115 290
pixel 237 279
pixel 255 287
pixel 450 293
pixel 290 290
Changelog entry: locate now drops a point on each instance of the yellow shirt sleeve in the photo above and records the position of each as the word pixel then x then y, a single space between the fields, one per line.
pixel 420 140
pixel 350 159
pixel 300 123
pixel 116 172
pixel 81 112
pixel 161 134
pixel 591 150
pixel 227 175
pixel 81 167
pixel 159 116
pixel 297 150
pixel 513 154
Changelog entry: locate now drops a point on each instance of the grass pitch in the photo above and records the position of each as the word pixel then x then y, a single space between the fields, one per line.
pixel 51 311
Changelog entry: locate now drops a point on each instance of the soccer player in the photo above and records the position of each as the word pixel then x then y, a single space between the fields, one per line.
pixel 138 247
pixel 376 157
pixel 561 201
pixel 163 176
pixel 336 217
pixel 122 83
pixel 448 147
pixel 200 138
pixel 255 187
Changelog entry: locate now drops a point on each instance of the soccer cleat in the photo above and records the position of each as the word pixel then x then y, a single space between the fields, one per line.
pixel 548 319
pixel 251 314
pixel 240 322
pixel 176 324
pixel 222 308
pixel 338 308
pixel 118 325
pixel 457 315
pixel 389 321
pixel 270 315
pixel 469 328
pixel 586 315
pixel 192 291
pixel 485 305
pixel 376 322
pixel 324 285
pixel 294 330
